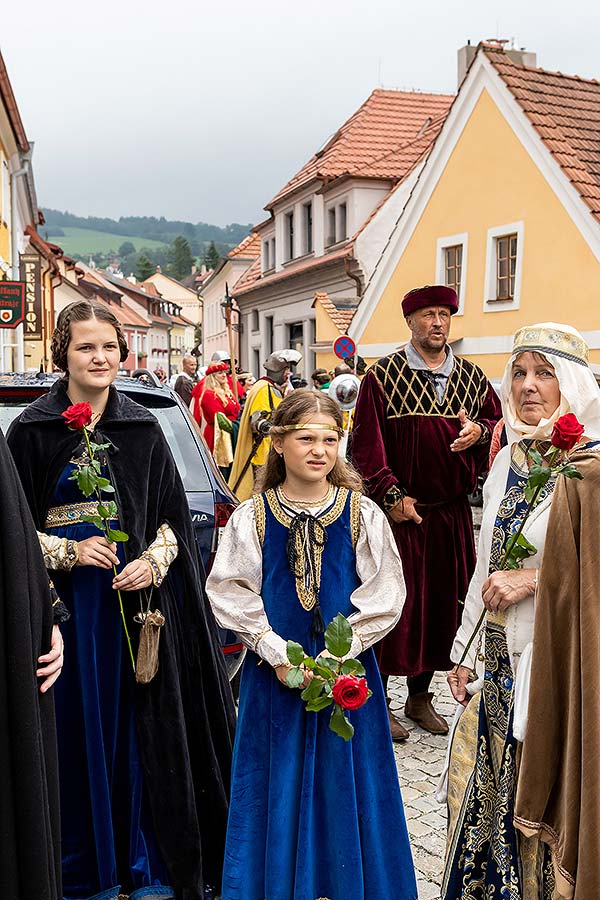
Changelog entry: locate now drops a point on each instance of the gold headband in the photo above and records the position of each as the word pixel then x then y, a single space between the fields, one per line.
pixel 541 339
pixel 319 425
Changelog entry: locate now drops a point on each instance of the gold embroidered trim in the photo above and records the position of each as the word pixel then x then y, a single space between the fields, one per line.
pixel 70 514
pixel 355 517
pixel 283 518
pixel 260 517
pixel 409 393
pixel 308 593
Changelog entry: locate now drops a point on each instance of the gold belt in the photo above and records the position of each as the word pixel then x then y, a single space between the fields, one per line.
pixel 71 514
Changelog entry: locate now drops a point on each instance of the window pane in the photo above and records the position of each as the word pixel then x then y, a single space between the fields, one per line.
pixel 450 256
pixel 502 288
pixel 502 268
pixel 502 248
pixel 513 245
pixel 459 251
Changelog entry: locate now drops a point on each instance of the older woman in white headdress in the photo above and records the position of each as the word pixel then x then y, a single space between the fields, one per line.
pixel 524 751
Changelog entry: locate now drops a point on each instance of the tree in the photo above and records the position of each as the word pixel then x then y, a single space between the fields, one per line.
pixel 126 249
pixel 145 268
pixel 180 258
pixel 211 257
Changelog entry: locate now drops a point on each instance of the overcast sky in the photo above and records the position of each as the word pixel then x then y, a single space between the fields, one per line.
pixel 204 110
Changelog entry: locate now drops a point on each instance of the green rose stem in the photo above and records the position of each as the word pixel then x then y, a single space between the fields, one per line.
pixel 106 530
pixel 510 546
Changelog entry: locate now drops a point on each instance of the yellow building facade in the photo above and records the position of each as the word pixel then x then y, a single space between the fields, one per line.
pixel 493 174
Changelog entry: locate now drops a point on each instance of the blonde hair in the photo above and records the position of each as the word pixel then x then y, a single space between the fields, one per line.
pixel 295 410
pixel 212 383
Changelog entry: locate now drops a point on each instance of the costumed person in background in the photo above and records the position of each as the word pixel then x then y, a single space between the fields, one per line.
pixel 295 381
pixel 32 648
pixel 542 621
pixel 144 767
pixel 319 377
pixel 310 817
pixel 247 380
pixel 253 441
pixel 219 410
pixel 160 374
pixel 421 436
pixel 186 381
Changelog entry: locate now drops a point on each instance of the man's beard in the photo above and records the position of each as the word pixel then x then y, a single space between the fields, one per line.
pixel 428 344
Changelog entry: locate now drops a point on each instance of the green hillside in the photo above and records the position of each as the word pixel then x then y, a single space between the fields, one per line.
pixel 83 242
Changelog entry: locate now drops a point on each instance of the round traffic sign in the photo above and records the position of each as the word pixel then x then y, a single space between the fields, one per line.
pixel 344 347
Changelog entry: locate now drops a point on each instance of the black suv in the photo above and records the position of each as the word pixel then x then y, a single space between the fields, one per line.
pixel 210 500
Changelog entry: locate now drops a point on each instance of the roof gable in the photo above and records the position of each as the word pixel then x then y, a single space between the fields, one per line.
pixel 382 139
pixel 484 75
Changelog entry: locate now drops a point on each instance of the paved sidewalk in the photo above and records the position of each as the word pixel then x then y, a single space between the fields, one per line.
pixel 420 761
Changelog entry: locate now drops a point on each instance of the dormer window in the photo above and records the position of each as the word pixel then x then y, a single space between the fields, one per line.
pixel 337 224
pixel 330 226
pixel 307 228
pixel 289 235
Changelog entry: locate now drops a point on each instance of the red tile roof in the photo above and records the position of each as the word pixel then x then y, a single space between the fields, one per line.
pixel 565 111
pixel 341 316
pixel 10 104
pixel 249 248
pixel 381 139
pixel 251 278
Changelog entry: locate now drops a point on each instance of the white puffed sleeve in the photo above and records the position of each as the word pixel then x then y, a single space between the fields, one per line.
pixel 380 597
pixel 234 587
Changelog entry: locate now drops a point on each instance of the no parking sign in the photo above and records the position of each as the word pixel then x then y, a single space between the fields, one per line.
pixel 344 346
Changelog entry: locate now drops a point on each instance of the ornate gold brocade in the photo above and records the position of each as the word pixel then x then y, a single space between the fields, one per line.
pixel 410 393
pixel 308 588
pixel 70 514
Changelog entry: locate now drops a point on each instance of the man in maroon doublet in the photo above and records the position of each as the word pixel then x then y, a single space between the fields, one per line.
pixel 422 430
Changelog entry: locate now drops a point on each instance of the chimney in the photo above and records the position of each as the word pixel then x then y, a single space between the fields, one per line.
pixel 158 268
pixel 203 269
pixel 519 55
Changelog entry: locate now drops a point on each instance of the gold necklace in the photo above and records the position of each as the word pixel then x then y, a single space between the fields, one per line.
pixel 314 503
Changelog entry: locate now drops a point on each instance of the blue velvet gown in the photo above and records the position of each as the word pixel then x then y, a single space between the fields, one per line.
pixel 312 816
pixel 107 834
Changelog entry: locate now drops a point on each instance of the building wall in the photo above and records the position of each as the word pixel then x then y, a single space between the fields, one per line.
pixel 214 330
pixel 490 180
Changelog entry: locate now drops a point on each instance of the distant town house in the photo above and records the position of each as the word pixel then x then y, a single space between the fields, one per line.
pixel 320 240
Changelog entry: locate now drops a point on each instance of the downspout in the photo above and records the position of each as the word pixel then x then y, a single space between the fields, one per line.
pixel 356 278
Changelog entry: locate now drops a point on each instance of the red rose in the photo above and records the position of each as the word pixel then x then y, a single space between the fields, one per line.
pixel 350 692
pixel 567 432
pixel 78 415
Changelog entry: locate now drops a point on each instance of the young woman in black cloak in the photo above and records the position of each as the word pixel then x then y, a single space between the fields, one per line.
pixel 144 767
pixel 30 648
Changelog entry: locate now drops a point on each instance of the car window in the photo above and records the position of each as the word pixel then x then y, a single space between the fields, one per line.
pixel 10 408
pixel 183 447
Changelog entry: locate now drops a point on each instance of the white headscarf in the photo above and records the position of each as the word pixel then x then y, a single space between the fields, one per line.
pixel 567 352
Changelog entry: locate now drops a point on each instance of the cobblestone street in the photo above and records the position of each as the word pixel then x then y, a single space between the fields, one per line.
pixel 420 762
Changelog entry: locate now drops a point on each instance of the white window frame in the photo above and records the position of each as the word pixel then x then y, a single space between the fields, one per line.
pixel 490 304
pixel 453 240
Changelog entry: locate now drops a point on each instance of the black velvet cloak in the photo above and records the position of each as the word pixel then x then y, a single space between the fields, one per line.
pixel 29 823
pixel 185 716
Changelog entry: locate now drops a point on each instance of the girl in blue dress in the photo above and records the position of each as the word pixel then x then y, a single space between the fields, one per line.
pixel 311 816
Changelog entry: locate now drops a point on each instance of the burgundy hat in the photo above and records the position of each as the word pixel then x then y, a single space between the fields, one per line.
pixel 217 367
pixel 430 295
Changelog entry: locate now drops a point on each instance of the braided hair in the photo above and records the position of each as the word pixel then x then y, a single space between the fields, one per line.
pixel 82 311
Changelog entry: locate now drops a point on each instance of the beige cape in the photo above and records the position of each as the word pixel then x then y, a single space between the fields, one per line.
pixel 558 794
